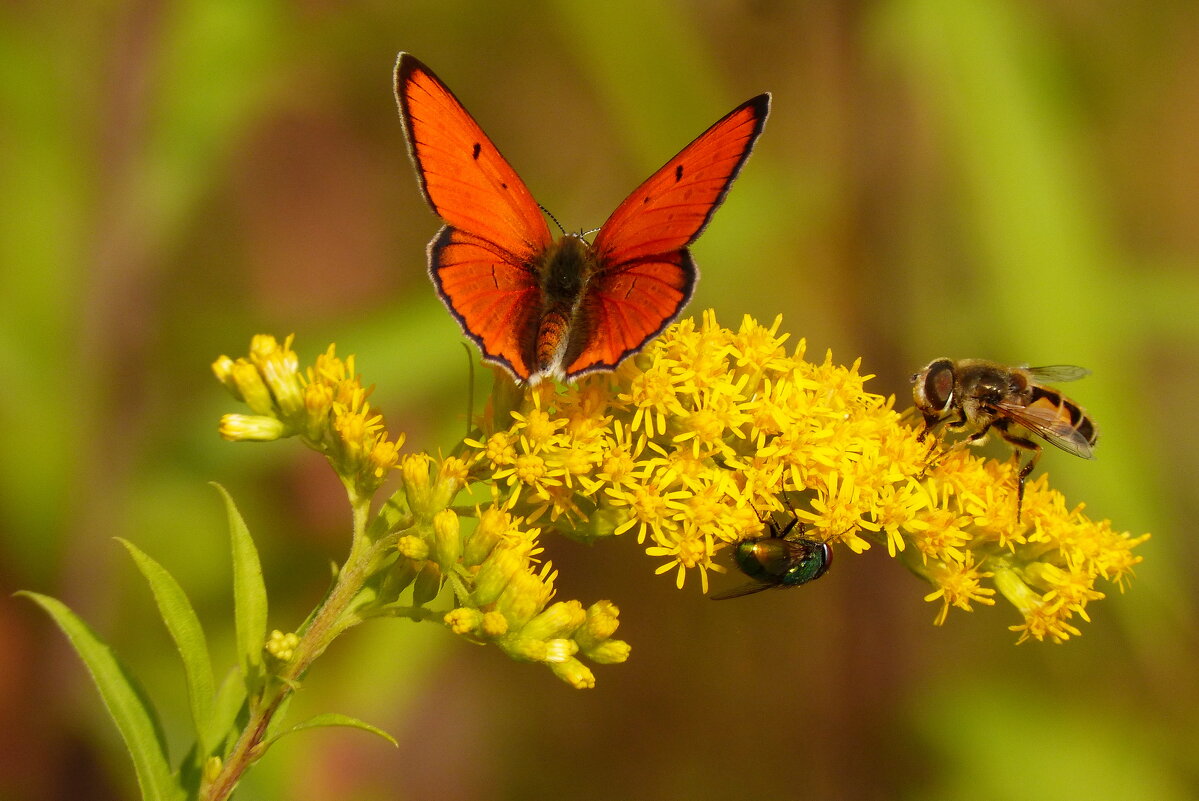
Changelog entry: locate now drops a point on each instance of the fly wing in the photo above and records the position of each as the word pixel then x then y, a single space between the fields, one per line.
pixel 1054 423
pixel 1056 373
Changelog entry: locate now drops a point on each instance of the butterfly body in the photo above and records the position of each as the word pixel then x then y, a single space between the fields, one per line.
pixel 566 270
pixel 543 308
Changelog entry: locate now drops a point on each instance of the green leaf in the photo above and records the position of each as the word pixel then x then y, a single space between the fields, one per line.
pixel 229 709
pixel 184 626
pixel 249 593
pixel 331 719
pixel 127 704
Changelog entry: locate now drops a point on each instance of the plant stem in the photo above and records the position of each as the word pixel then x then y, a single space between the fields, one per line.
pixel 323 628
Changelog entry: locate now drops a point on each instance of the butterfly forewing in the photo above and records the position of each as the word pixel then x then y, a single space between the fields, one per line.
pixel 670 209
pixel 481 261
pixel 644 274
pixel 464 177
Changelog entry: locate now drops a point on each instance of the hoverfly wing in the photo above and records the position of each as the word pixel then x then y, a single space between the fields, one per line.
pixel 1053 424
pixel 1052 373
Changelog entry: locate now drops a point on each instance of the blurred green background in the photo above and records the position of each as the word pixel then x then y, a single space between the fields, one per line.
pixel 995 178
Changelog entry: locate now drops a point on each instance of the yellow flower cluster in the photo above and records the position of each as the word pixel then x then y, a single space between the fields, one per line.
pixel 688 443
pixel 502 590
pixel 503 593
pixel 326 406
pixel 689 447
pixel 1045 565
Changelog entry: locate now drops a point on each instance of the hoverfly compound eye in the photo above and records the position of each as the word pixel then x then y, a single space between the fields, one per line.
pixel 938 385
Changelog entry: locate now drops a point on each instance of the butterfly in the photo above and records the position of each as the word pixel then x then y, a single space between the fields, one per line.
pixel 542 308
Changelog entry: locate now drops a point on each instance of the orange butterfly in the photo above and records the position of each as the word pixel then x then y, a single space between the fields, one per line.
pixel 542 308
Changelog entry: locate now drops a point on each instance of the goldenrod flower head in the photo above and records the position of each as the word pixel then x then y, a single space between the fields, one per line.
pixel 493 523
pixel 525 595
pixel 463 621
pixel 574 673
pixel 494 625
pixel 279 365
pixel 498 569
pixel 325 405
pixel 558 620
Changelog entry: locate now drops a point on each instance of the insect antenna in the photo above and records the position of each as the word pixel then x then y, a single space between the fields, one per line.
pixel 550 214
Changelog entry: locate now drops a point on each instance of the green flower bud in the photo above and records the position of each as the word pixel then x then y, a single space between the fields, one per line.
pixel 609 652
pixel 558 620
pixel 497 570
pixel 447 546
pixel 574 673
pixel 251 428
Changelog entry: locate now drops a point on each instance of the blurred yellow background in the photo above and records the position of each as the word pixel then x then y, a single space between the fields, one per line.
pixel 998 179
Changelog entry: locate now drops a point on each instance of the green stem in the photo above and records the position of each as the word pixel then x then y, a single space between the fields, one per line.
pixel 325 625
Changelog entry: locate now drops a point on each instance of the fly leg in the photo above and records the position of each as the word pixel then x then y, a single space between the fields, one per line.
pixel 1019 444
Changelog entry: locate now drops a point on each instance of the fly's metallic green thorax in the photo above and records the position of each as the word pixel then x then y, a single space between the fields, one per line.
pixel 785 562
pixel 780 559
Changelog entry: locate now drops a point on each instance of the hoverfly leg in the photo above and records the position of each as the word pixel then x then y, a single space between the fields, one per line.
pixel 980 437
pixel 1021 444
pixel 1024 473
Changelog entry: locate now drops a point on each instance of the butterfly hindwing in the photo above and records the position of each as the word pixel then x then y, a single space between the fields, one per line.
pixel 496 301
pixel 623 309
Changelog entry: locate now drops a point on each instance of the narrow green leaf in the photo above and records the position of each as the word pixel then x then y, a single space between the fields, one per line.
pixel 127 704
pixel 229 710
pixel 184 626
pixel 331 719
pixel 249 592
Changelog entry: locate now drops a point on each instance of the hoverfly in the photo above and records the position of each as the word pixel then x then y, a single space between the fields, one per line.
pixel 779 559
pixel 982 395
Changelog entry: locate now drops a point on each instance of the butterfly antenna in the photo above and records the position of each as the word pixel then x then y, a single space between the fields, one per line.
pixel 550 214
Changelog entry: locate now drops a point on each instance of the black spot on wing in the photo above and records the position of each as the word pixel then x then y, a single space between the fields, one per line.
pixel 678 173
pixel 476 150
